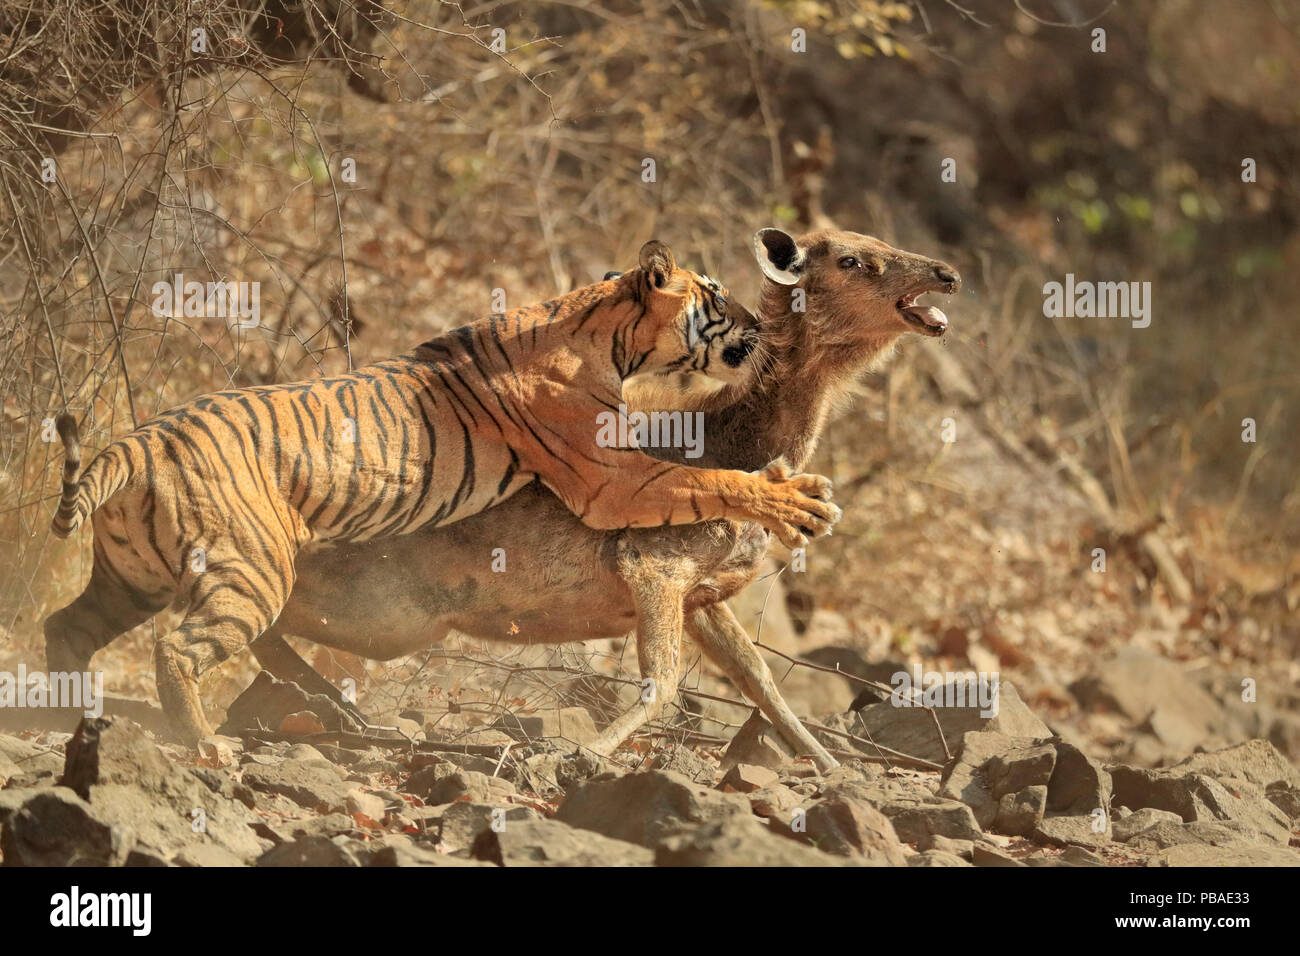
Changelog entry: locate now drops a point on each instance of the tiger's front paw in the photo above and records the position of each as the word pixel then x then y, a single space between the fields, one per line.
pixel 796 508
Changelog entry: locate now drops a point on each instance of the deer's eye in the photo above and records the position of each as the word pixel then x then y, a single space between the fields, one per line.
pixel 848 262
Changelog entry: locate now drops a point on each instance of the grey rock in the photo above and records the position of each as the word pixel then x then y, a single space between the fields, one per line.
pixel 935 858
pixel 686 762
pixel 643 808
pixel 309 851
pixel 757 742
pixel 472 786
pixel 1019 813
pixel 1195 796
pixel 1255 761
pixel 130 782
pixel 407 853
pixel 961 848
pixel 748 778
pixel 985 855
pixel 1078 798
pixel 1078 856
pixel 1130 825
pixel 1237 855
pixel 55 827
pixel 740 841
pixel 1155 693
pixel 369 805
pixel 206 854
pixel 911 729
pixel 1065 830
pixel 18 756
pixel 314 784
pixel 845 827
pixel 1167 833
pixel 915 820
pixel 1013 770
pixel 776 800
pixel 326 825
pixel 461 823
pixel 542 842
pixel 964 777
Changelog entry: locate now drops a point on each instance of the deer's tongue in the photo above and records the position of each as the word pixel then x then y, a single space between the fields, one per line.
pixel 926 319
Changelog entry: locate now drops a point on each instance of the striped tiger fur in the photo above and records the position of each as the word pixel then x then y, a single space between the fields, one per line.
pixel 206 506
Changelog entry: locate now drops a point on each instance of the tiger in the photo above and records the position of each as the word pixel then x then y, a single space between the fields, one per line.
pixel 206 507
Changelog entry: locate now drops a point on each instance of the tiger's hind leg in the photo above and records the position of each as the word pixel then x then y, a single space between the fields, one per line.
pixel 105 610
pixel 230 605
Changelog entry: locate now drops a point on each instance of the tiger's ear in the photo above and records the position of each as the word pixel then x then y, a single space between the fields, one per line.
pixel 779 256
pixel 657 262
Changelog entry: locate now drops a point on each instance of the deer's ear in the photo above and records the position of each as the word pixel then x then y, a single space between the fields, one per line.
pixel 657 262
pixel 611 275
pixel 778 256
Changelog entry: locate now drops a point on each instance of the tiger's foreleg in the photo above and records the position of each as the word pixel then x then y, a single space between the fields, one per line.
pixel 721 637
pixel 652 494
pixel 658 586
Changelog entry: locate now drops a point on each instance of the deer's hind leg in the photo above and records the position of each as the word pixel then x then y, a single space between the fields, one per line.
pixel 231 602
pixel 723 639
pixel 659 586
pixel 282 662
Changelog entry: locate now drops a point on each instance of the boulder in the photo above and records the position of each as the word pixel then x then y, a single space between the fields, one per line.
pixel 462 822
pixel 935 858
pixel 125 776
pixel 312 784
pixel 309 851
pixel 1126 828
pixel 740 841
pixel 1078 801
pixel 1154 693
pixel 1235 856
pixel 56 827
pixel 919 819
pixel 845 827
pixel 643 808
pixel 1019 813
pixel 757 742
pixel 747 778
pixel 1198 797
pixel 543 842
pixel 910 730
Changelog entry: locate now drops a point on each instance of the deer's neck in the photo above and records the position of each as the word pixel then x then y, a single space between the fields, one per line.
pixel 811 368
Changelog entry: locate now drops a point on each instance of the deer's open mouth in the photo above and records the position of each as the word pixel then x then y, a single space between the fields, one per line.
pixel 925 319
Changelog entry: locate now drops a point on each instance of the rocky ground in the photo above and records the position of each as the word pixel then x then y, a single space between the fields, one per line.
pixel 1005 790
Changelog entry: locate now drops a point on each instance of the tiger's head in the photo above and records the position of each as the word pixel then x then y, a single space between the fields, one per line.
pixel 694 337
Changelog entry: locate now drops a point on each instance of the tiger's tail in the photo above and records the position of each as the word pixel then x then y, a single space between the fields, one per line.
pixel 83 493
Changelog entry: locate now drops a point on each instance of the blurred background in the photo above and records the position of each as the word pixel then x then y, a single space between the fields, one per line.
pixel 502 145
